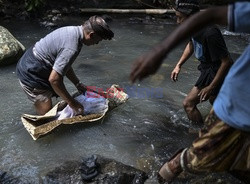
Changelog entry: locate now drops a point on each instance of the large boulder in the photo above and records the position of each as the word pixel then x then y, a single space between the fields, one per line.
pixel 109 172
pixel 10 48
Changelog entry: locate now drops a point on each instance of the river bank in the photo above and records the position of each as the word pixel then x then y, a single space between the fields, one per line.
pixel 54 11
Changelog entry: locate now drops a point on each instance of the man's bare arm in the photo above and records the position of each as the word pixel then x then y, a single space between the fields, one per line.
pixel 56 81
pixel 226 62
pixel 151 61
pixel 185 56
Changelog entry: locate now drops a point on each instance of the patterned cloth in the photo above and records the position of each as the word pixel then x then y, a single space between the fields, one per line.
pixel 219 148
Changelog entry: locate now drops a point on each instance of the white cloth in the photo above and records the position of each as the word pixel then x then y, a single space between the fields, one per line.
pixel 93 104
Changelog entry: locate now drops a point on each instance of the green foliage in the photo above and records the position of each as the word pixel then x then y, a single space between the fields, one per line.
pixel 33 5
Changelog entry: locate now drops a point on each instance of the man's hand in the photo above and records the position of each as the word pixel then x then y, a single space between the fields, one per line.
pixel 146 65
pixel 81 87
pixel 205 93
pixel 175 73
pixel 77 107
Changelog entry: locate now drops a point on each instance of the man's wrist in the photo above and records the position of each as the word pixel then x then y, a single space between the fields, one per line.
pixel 179 65
pixel 212 87
pixel 78 84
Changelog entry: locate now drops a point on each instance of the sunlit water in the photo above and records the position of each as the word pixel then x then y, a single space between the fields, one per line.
pixel 142 133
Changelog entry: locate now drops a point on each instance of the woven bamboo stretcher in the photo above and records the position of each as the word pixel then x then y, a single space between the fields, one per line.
pixel 40 125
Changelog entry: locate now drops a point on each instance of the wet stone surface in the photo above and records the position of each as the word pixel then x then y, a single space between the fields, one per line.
pixel 10 49
pixel 110 171
pixel 7 178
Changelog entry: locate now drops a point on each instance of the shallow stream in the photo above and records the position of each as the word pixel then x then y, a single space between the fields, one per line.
pixel 142 133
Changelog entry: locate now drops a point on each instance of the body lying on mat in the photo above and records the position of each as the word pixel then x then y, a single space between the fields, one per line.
pixel 95 108
pixel 93 104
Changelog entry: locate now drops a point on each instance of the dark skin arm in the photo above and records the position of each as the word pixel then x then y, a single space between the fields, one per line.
pixel 150 62
pixel 72 76
pixel 56 81
pixel 205 93
pixel 74 79
pixel 185 56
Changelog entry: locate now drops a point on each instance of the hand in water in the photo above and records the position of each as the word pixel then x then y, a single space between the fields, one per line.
pixel 81 87
pixel 77 107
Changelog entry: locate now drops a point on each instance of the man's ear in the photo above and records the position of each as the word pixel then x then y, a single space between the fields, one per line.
pixel 91 35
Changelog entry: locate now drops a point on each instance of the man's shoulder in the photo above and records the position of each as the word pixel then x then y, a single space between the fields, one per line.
pixel 69 33
pixel 65 28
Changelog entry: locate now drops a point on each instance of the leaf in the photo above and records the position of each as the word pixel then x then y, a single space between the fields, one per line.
pixel 30 7
pixel 36 4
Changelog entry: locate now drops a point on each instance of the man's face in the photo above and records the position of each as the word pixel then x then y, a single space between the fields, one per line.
pixel 93 39
pixel 180 17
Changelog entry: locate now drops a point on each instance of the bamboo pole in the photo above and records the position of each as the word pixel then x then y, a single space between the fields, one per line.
pixel 145 11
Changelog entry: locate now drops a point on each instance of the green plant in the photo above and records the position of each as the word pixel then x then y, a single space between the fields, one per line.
pixel 33 5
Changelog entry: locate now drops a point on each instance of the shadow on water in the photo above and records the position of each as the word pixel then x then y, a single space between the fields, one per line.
pixel 143 132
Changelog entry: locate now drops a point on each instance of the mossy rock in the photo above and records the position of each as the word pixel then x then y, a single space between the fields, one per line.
pixel 10 48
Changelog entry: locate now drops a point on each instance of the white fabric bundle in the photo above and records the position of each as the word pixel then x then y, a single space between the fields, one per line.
pixel 93 103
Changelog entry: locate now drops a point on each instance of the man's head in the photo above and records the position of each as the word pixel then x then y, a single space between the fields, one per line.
pixel 185 8
pixel 95 30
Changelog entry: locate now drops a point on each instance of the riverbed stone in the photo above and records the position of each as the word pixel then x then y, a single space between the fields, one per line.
pixel 6 178
pixel 10 48
pixel 110 171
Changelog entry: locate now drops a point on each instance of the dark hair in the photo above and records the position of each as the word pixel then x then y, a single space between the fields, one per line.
pixel 187 7
pixel 100 27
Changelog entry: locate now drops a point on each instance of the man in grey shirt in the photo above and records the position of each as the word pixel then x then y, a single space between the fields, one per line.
pixel 42 68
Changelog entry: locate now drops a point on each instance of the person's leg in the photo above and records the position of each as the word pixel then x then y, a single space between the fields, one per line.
pixel 42 107
pixel 190 106
pixel 218 148
pixel 170 169
pixel 41 98
pixel 42 101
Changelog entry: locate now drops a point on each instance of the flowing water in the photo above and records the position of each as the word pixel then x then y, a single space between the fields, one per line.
pixel 142 133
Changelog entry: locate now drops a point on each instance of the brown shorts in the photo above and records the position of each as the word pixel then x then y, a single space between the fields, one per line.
pixel 36 94
pixel 219 148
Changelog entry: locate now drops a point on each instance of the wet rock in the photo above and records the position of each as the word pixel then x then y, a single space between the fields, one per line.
pixel 10 48
pixel 10 9
pixel 54 12
pixel 110 171
pixel 135 20
pixel 5 178
pixel 52 19
pixel 65 10
pixel 56 18
pixel 48 24
pixel 24 15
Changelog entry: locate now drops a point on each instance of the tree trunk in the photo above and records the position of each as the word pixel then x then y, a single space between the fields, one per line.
pixel 145 11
